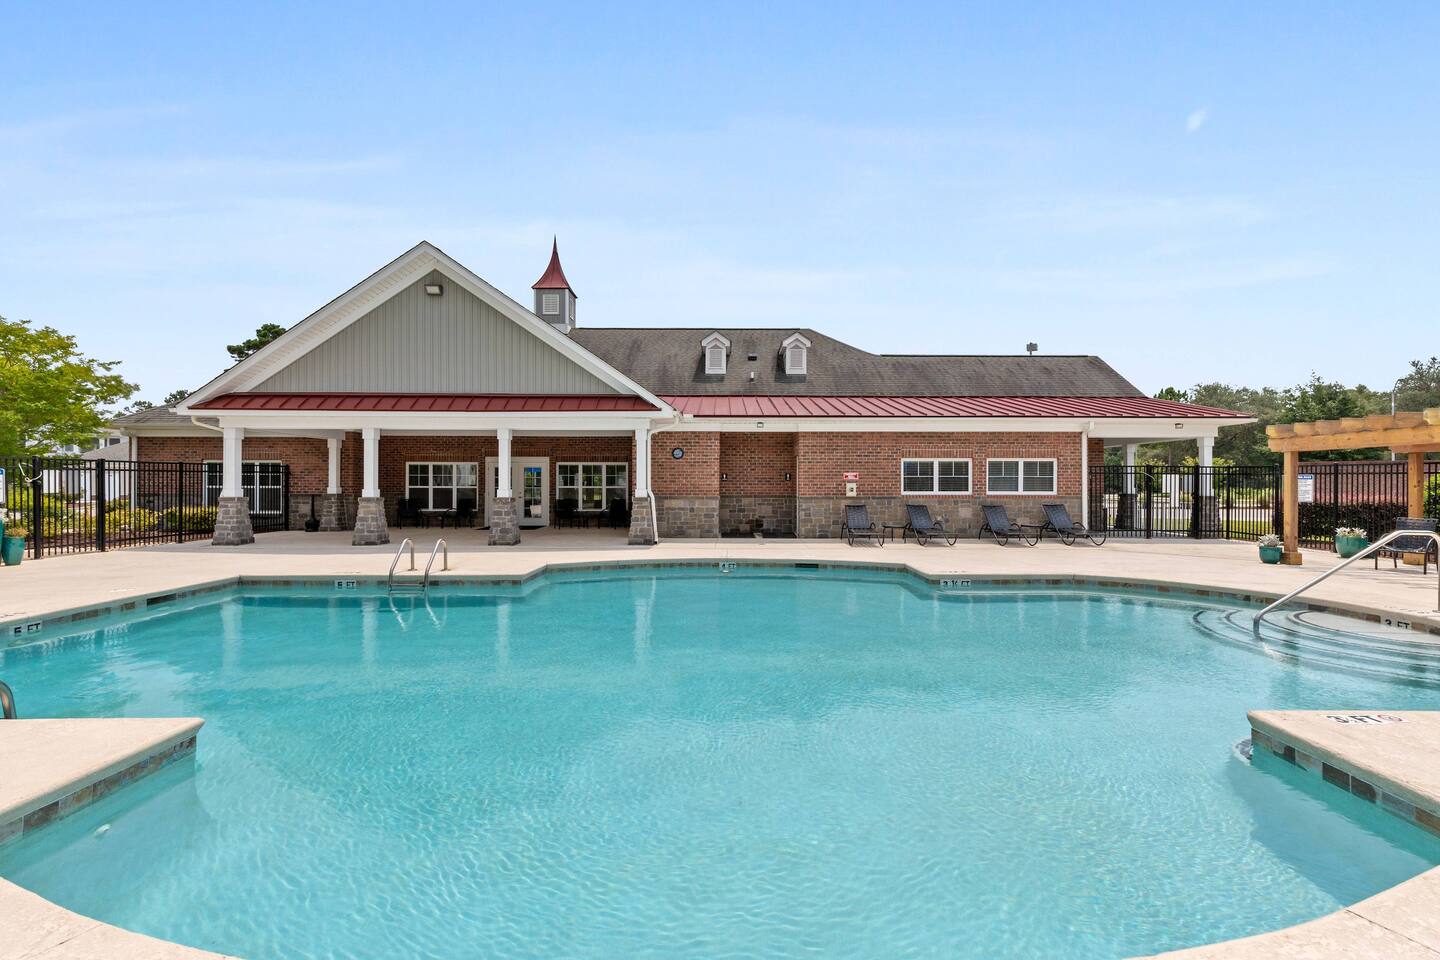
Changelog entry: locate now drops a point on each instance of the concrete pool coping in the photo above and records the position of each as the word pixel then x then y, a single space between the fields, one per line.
pixel 1395 924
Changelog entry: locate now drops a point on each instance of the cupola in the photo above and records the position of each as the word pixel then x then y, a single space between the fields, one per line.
pixel 554 300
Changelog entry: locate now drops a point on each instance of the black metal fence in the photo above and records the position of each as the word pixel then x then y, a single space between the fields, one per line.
pixel 72 505
pixel 1351 493
pixel 1230 503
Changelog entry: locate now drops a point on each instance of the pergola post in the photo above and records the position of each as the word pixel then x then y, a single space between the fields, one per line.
pixel 1416 477
pixel 1290 495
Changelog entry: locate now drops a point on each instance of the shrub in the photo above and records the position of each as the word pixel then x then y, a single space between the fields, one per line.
pixel 1432 497
pixel 1319 520
pixel 133 519
pixel 194 519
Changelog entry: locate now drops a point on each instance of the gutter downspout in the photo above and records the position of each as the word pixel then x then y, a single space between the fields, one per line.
pixel 1085 473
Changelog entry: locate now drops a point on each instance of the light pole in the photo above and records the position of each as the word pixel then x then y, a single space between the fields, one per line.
pixel 1393 388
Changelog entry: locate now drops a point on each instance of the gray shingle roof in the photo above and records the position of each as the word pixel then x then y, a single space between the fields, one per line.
pixel 668 361
pixel 154 417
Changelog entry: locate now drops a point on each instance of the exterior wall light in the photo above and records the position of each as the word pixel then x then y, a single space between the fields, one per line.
pixel 433 289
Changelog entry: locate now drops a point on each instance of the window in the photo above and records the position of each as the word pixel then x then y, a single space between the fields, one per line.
pixel 935 476
pixel 796 350
pixel 592 485
pixel 263 481
pixel 550 303
pixel 715 348
pixel 1020 476
pixel 441 486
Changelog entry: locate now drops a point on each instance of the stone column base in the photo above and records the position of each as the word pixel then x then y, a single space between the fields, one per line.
pixel 1209 513
pixel 232 522
pixel 642 522
pixel 370 526
pixel 504 522
pixel 327 507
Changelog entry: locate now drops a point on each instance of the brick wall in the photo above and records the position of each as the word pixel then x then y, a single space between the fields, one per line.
pixel 308 459
pixel 757 464
pixel 696 475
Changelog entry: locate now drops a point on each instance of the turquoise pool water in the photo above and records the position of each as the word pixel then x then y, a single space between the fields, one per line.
pixel 688 765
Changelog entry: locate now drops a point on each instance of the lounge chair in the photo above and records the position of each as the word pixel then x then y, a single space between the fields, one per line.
pixel 925 527
pixel 999 525
pixel 1400 546
pixel 858 525
pixel 1057 518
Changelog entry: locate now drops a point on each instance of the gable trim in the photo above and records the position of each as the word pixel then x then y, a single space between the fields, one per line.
pixel 379 287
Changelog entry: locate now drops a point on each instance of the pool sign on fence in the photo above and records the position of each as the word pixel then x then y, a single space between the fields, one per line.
pixel 1306 487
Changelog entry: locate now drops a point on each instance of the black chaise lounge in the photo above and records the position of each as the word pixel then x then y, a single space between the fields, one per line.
pixel 859 526
pixel 999 525
pixel 925 527
pixel 1400 546
pixel 1057 518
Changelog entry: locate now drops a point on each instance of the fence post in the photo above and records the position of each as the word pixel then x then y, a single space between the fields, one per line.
pixel 1148 480
pixel 1195 501
pixel 285 493
pixel 180 502
pixel 99 498
pixel 37 513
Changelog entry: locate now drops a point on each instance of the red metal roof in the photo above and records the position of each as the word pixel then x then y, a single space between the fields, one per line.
pixel 432 402
pixel 554 277
pixel 791 406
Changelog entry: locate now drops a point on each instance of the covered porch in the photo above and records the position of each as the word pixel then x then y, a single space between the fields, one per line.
pixel 503 474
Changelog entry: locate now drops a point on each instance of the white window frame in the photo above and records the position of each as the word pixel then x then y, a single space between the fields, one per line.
pixel 935 490
pixel 606 487
pixel 212 490
pixel 1020 477
pixel 788 346
pixel 429 487
pixel 550 304
pixel 709 345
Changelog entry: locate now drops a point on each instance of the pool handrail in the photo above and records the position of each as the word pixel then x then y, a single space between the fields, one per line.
pixel 7 702
pixel 390 577
pixel 1392 535
pixel 440 545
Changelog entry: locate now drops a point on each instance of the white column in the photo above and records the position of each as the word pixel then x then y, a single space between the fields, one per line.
pixel 1130 450
pixel 503 486
pixel 1084 476
pixel 234 438
pixel 642 462
pixel 332 484
pixel 1207 458
pixel 370 485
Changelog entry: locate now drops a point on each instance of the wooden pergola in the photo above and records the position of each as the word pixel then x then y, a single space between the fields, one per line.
pixel 1413 434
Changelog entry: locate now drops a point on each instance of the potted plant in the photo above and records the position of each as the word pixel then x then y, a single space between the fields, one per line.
pixel 1350 541
pixel 12 547
pixel 1271 548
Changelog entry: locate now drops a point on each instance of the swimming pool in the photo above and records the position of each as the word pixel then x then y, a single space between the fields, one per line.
pixel 680 764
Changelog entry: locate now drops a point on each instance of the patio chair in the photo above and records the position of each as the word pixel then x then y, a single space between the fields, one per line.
pixel 618 514
pixel 565 509
pixel 407 510
pixel 465 512
pixel 999 525
pixel 1400 546
pixel 925 527
pixel 858 525
pixel 1057 518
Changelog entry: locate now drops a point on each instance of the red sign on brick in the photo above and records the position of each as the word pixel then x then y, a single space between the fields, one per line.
pixel 851 475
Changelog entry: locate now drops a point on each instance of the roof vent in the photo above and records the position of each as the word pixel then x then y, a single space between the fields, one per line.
pixel 1031 347
pixel 715 348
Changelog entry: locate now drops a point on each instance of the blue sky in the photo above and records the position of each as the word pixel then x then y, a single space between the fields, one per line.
pixel 1241 192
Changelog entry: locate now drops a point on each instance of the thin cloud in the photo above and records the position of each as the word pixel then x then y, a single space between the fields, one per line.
pixel 1197 119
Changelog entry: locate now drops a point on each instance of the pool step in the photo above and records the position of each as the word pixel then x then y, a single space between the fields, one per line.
pixel 1326 640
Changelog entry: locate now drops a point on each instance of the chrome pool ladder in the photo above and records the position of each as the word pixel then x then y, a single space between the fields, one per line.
pixel 7 702
pixel 421 584
pixel 1392 535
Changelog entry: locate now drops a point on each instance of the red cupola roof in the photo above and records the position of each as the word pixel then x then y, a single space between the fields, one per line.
pixel 554 277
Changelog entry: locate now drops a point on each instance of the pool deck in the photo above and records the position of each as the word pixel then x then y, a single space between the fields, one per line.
pixel 1400 760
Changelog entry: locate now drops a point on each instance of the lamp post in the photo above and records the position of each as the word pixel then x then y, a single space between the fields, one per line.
pixel 1393 388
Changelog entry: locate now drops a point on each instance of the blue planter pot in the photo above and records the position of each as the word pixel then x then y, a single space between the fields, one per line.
pixel 1347 547
pixel 1271 554
pixel 12 550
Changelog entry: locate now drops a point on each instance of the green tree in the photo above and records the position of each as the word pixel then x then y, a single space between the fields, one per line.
pixel 51 394
pixel 174 397
pixel 263 335
pixel 1318 399
pixel 1420 388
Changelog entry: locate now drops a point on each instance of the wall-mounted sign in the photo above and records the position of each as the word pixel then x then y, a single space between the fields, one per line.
pixel 1307 488
pixel 678 453
pixel 851 475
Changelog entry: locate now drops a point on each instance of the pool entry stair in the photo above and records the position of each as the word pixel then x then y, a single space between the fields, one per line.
pixel 1318 639
pixel 422 583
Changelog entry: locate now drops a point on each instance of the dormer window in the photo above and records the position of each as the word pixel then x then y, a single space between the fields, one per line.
pixel 796 351
pixel 716 348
